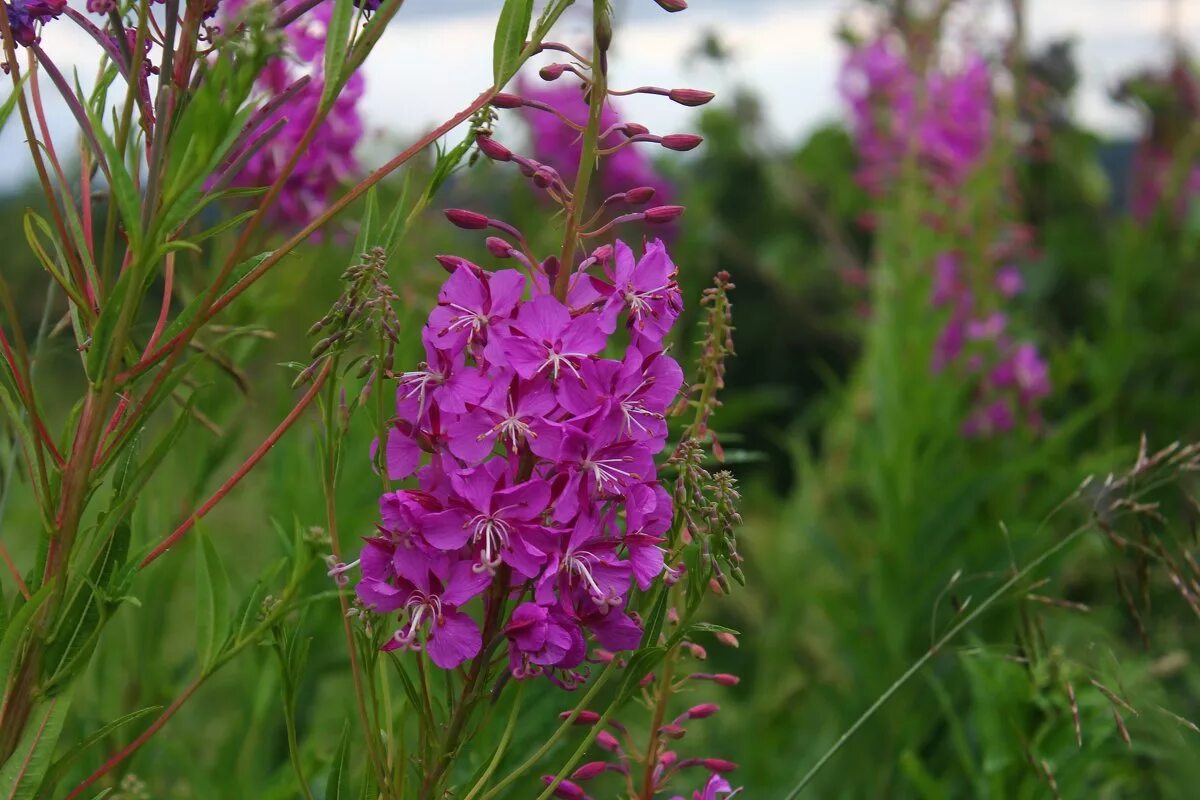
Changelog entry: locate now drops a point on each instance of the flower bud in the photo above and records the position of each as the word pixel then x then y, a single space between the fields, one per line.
pixel 690 97
pixel 663 214
pixel 467 220
pixel 718 765
pixel 451 263
pixel 682 142
pixel 703 710
pixel 672 5
pixel 719 678
pixel 603 252
pixel 728 639
pixel 640 195
pixel 632 129
pixel 493 149
pixel 607 741
pixel 552 72
pixel 672 731
pixel 583 718
pixel 646 681
pixel 590 770
pixel 498 247
pixel 565 789
pixel 506 100
pixel 698 651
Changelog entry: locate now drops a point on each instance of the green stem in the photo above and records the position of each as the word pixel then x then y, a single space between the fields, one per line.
pixel 502 747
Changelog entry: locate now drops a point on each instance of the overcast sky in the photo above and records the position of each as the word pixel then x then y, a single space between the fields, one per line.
pixel 436 57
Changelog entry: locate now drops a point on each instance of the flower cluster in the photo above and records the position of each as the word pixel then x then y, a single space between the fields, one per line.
pixel 534 458
pixel 943 118
pixel 25 18
pixel 327 159
pixel 1009 377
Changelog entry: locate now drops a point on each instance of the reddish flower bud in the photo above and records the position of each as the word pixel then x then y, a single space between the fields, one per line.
pixel 603 252
pixel 583 718
pixel 608 741
pixel 506 100
pixel 468 220
pixel 493 149
pixel 682 142
pixel 690 97
pixel 663 214
pixel 728 639
pixel 565 789
pixel 498 247
pixel 632 129
pixel 703 710
pixel 720 678
pixel 718 765
pixel 698 651
pixel 640 195
pixel 590 770
pixel 672 731
pixel 647 680
pixel 672 5
pixel 668 758
pixel 552 72
pixel 451 263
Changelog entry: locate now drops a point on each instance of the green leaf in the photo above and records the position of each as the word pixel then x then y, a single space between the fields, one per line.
pixel 337 785
pixel 510 39
pixel 10 102
pixel 16 630
pixel 712 628
pixel 212 602
pixel 21 775
pixel 89 606
pixel 68 758
pixel 337 43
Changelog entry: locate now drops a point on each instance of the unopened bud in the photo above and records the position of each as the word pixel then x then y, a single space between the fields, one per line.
pixel 672 5
pixel 498 247
pixel 582 718
pixel 698 651
pixel 672 731
pixel 607 741
pixel 663 214
pixel 505 100
pixel 718 765
pixel 603 252
pixel 703 710
pixel 647 680
pixel 673 616
pixel 682 142
pixel 590 770
pixel 632 129
pixel 728 639
pixel 468 220
pixel 640 195
pixel 451 263
pixel 719 678
pixel 565 789
pixel 493 149
pixel 552 72
pixel 690 97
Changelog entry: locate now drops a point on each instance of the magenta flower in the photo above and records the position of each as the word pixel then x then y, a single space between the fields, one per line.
pixel 500 523
pixel 470 301
pixel 429 589
pixel 545 341
pixel 645 290
pixel 626 399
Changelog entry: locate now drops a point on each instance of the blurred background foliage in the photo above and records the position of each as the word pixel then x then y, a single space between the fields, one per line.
pixel 871 522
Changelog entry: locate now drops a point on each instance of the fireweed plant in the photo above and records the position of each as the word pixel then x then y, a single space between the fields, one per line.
pixel 910 118
pixel 560 524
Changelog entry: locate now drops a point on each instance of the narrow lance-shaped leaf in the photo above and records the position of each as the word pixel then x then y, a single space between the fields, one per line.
pixel 21 776
pixel 212 602
pixel 510 38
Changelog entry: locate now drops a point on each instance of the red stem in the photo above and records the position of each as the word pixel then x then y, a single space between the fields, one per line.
pixel 27 397
pixel 241 472
pixel 133 746
pixel 12 569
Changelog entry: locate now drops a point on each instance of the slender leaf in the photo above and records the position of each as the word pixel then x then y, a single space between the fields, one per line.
pixel 21 775
pixel 510 38
pixel 212 602
pixel 337 785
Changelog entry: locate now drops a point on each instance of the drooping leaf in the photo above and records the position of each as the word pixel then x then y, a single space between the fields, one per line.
pixel 66 759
